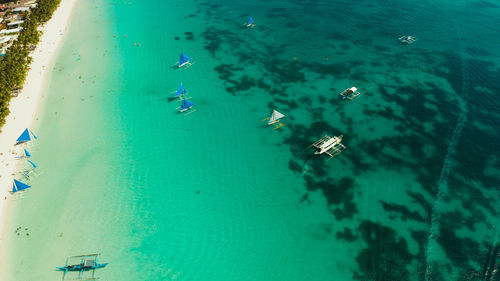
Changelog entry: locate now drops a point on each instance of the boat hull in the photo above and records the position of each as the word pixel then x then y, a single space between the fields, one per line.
pixel 80 268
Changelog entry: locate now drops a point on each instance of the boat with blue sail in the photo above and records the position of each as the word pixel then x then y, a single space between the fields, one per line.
pixel 184 60
pixel 26 154
pixel 181 92
pixel 187 105
pixel 29 171
pixel 19 186
pixel 250 23
pixel 26 136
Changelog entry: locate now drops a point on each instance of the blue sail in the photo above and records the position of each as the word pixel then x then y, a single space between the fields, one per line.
pixel 32 164
pixel 250 21
pixel 18 186
pixel 181 91
pixel 25 136
pixel 183 59
pixel 186 104
pixel 26 153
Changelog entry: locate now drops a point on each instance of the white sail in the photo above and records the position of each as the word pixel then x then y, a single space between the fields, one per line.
pixel 275 116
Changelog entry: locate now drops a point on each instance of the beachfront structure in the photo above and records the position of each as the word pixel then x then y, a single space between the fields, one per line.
pixel 250 23
pixel 350 93
pixel 184 60
pixel 8 31
pixel 20 10
pixel 15 24
pixel 274 119
pixel 26 136
pixel 329 145
pixel 4 40
pixel 19 186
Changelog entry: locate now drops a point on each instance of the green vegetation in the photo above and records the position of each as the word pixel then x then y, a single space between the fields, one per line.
pixel 14 66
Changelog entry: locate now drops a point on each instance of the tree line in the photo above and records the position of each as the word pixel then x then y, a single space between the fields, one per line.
pixel 14 66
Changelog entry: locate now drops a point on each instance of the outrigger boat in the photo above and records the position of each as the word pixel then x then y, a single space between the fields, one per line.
pixel 82 264
pixel 19 186
pixel 407 39
pixel 329 145
pixel 249 23
pixel 274 119
pixel 184 60
pixel 187 105
pixel 181 92
pixel 29 171
pixel 350 93
pixel 26 136
pixel 26 154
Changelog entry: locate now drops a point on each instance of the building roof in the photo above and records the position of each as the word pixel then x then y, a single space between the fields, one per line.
pixel 4 39
pixel 14 30
pixel 15 22
pixel 20 9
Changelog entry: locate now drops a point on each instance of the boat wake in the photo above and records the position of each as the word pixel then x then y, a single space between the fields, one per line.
pixel 442 188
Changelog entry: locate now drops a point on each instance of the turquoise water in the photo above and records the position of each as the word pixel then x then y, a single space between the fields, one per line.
pixel 216 195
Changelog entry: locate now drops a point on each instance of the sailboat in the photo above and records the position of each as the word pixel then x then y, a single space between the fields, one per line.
pixel 19 186
pixel 187 105
pixel 26 136
pixel 184 60
pixel 274 119
pixel 30 170
pixel 250 23
pixel 26 154
pixel 181 91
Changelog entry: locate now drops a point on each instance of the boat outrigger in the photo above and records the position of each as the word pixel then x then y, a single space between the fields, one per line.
pixel 82 264
pixel 274 119
pixel 407 39
pixel 329 145
pixel 249 23
pixel 350 93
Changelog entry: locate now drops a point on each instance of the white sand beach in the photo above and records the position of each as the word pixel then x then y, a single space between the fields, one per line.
pixel 24 108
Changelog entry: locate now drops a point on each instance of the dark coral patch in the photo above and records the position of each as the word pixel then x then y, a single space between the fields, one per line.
pixel 404 212
pixel 189 35
pixel 347 235
pixel 386 256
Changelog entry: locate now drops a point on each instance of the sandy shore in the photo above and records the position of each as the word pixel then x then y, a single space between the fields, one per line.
pixel 24 108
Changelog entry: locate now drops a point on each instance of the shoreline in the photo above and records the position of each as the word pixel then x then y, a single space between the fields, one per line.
pixel 25 107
